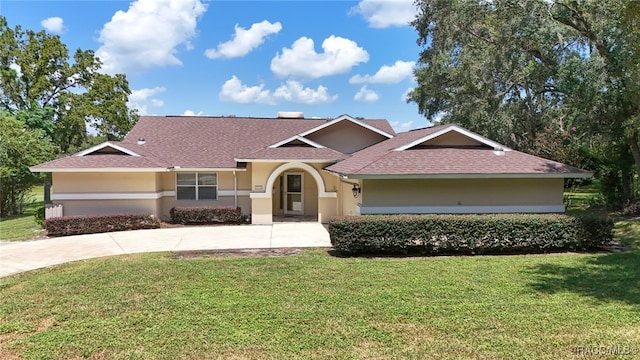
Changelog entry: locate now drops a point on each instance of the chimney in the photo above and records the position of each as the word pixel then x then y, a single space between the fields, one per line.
pixel 290 115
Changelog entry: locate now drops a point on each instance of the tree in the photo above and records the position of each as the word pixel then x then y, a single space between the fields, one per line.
pixel 20 147
pixel 37 75
pixel 519 71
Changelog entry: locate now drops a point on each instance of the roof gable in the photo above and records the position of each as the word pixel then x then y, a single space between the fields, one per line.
pixel 296 140
pixel 107 148
pixel 346 118
pixel 447 136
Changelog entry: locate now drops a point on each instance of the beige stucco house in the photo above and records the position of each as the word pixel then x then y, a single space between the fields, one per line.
pixel 295 167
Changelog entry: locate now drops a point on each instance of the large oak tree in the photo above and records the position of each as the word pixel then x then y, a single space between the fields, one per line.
pixel 538 75
pixel 38 76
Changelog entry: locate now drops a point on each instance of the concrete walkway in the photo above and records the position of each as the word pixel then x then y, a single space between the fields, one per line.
pixel 22 256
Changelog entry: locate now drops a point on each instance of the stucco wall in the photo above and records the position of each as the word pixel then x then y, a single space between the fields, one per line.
pixel 462 192
pixel 348 203
pixel 346 137
pixel 121 182
pixel 101 207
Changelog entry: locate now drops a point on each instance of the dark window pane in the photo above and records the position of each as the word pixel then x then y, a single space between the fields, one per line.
pixel 186 178
pixel 207 179
pixel 186 193
pixel 207 193
pixel 294 183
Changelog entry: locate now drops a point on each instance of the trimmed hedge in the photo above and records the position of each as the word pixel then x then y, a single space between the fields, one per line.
pixel 75 225
pixel 206 215
pixel 468 234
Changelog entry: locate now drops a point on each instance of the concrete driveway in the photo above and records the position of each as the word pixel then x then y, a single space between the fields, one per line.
pixel 22 256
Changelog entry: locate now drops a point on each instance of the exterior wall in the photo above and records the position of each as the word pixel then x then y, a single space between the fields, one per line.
pixel 84 182
pixel 349 205
pixel 130 192
pixel 346 137
pixel 462 195
pixel 106 193
pixel 102 207
pixel 225 185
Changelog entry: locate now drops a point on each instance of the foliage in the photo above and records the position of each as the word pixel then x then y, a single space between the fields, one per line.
pixel 632 210
pixel 39 215
pixel 20 147
pixel 316 306
pixel 528 72
pixel 24 227
pixel 60 95
pixel 468 234
pixel 75 225
pixel 206 215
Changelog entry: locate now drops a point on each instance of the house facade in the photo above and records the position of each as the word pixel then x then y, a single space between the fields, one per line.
pixel 273 168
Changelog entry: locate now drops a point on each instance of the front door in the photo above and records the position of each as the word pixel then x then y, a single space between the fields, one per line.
pixel 293 196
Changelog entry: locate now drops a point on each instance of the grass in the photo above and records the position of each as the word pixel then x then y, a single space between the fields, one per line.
pixel 23 227
pixel 314 305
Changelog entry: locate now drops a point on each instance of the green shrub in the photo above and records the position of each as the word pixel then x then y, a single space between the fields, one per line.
pixel 207 215
pixel 39 215
pixel 75 225
pixel 468 234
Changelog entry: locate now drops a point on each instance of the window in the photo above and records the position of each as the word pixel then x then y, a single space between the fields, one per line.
pixel 196 186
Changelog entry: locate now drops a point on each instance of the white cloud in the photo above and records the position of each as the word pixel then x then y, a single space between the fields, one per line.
pixel 301 60
pixel 366 95
pixel 147 34
pixel 244 40
pixel 143 99
pixel 293 91
pixel 387 74
pixel 53 24
pixel 191 113
pixel 15 67
pixel 233 90
pixel 385 13
pixel 399 126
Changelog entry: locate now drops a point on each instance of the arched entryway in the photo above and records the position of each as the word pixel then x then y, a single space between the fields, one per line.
pixel 293 189
pixel 295 197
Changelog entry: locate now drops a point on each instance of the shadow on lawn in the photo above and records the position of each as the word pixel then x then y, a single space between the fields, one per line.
pixel 606 277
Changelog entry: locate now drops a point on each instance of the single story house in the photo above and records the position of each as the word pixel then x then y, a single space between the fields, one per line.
pixel 292 166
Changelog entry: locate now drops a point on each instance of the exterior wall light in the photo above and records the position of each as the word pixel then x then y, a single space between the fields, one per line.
pixel 356 190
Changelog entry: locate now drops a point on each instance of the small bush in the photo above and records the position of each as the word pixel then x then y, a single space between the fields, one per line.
pixel 39 215
pixel 75 225
pixel 468 234
pixel 207 215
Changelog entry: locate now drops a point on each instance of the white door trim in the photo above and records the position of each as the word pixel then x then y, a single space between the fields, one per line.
pixel 286 194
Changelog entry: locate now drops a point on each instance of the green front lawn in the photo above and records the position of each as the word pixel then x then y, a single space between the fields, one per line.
pixel 314 305
pixel 23 227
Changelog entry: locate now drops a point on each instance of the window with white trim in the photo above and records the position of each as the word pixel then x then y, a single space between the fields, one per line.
pixel 196 186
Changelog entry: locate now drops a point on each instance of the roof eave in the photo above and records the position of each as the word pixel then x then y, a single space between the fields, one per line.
pixel 289 160
pixel 578 175
pixel 106 169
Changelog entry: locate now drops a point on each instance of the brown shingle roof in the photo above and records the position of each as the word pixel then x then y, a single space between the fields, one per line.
pixel 205 142
pixel 382 159
pixel 296 152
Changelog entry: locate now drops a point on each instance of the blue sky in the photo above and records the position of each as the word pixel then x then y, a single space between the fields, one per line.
pixel 246 58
